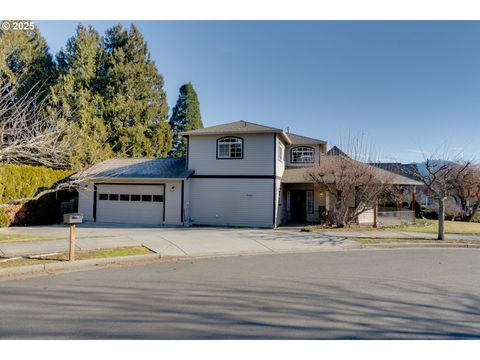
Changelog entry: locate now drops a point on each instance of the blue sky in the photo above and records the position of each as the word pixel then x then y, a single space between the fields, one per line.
pixel 409 87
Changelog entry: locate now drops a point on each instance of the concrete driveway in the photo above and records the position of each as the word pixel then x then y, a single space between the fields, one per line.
pixel 174 241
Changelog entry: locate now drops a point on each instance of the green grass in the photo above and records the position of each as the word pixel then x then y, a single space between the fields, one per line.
pixel 431 226
pixel 422 226
pixel 23 262
pixel 105 253
pixel 310 228
pixel 80 255
pixel 7 238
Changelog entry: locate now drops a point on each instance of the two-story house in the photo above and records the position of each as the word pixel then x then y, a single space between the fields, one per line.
pixel 235 174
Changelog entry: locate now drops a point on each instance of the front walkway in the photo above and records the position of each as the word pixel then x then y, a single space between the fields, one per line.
pixel 195 242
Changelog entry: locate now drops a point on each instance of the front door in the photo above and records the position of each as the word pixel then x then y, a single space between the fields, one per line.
pixel 298 209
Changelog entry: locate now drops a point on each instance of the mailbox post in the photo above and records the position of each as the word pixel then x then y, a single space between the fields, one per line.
pixel 72 219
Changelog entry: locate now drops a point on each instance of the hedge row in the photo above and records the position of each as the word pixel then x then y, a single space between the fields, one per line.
pixel 25 181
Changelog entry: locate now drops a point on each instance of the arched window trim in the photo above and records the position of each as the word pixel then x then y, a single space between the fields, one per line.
pixel 219 141
pixel 302 162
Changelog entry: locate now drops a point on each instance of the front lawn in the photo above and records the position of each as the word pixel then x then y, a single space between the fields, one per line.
pixel 6 238
pixel 79 255
pixel 431 226
pixel 422 226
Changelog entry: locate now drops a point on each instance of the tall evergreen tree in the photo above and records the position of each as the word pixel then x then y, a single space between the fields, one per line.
pixel 26 62
pixel 136 107
pixel 185 116
pixel 78 96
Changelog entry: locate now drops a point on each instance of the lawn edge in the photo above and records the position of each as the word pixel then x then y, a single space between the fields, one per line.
pixel 418 246
pixel 63 266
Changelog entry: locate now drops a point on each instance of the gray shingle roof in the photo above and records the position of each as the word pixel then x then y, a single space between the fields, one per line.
pixel 336 151
pixel 161 168
pixel 408 170
pixel 300 175
pixel 237 127
pixel 304 140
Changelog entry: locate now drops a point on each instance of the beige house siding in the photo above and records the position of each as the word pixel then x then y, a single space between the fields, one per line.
pixel 231 202
pixel 85 200
pixel 173 202
pixel 258 152
pixel 186 203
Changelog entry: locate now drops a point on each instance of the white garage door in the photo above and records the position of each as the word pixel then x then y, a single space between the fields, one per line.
pixel 130 204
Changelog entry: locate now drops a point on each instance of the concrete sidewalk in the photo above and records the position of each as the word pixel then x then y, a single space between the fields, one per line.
pixel 195 242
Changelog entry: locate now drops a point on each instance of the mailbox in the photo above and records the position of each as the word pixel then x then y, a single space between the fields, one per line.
pixel 73 218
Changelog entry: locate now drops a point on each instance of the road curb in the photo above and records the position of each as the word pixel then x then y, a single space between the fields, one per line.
pixel 74 265
pixel 413 245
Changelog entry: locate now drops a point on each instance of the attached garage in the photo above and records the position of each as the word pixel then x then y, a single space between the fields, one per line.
pixel 134 191
pixel 130 204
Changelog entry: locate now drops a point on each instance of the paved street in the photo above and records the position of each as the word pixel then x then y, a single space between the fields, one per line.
pixel 382 294
pixel 193 241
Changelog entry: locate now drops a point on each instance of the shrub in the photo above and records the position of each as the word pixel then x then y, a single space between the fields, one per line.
pixel 25 181
pixel 4 219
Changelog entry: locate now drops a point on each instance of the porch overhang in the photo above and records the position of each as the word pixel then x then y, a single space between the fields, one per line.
pixel 301 176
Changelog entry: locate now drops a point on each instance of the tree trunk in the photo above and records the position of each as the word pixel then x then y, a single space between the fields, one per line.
pixel 441 219
pixel 340 210
pixel 470 217
pixel 341 218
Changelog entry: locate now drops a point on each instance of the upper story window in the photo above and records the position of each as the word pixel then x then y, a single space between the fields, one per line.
pixel 302 155
pixel 280 152
pixel 230 148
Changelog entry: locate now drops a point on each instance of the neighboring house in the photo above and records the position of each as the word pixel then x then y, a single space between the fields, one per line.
pixel 235 174
pixel 411 171
pixel 336 151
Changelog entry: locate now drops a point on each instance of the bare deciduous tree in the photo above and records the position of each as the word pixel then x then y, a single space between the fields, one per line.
pixel 441 179
pixel 354 185
pixel 27 133
pixel 466 191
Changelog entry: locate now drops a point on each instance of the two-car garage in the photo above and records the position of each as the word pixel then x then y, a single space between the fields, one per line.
pixel 134 191
pixel 130 204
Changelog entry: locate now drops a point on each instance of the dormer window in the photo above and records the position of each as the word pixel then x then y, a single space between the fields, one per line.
pixel 302 155
pixel 230 148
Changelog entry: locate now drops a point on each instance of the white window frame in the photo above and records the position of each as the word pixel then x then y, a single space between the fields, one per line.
pixel 226 148
pixel 304 154
pixel 280 150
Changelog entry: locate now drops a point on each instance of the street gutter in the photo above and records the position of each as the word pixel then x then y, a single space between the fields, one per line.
pixel 78 265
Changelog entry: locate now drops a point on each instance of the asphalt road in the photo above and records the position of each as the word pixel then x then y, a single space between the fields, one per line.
pixel 387 294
